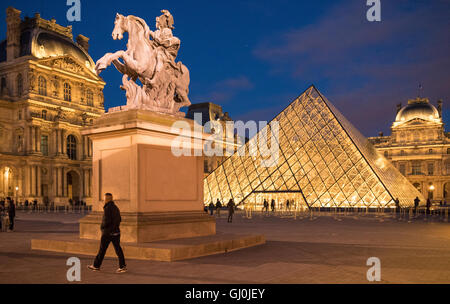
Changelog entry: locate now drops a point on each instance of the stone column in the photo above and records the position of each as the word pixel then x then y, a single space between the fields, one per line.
pixel 55 142
pixel 33 180
pixel 33 139
pixel 38 139
pixel 39 180
pixel 64 142
pixel 64 182
pixel 55 182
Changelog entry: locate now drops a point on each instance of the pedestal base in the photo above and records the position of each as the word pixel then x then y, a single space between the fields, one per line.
pixel 153 226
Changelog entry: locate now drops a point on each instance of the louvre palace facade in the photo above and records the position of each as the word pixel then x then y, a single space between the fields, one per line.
pixel 49 91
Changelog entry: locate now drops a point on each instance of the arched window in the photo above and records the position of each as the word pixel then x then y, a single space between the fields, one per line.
pixel 90 98
pixel 67 92
pixel 42 86
pixel 72 147
pixel 19 85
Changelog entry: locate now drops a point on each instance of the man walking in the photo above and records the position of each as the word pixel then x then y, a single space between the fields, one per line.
pixel 110 233
pixel 11 213
pixel 416 204
pixel 230 210
pixel 218 207
pixel 211 208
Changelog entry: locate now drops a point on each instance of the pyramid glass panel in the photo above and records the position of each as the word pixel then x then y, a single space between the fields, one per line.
pixel 323 161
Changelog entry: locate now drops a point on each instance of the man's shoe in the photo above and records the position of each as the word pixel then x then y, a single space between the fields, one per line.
pixel 121 270
pixel 93 268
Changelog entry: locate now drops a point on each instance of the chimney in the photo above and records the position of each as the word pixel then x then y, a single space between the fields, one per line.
pixel 83 41
pixel 380 134
pixel 440 107
pixel 12 33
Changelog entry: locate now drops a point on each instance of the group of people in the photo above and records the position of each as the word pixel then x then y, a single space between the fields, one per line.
pixel 218 206
pixel 289 204
pixel 7 214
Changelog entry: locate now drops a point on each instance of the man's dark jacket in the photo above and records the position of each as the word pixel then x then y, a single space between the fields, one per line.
pixel 12 210
pixel 111 219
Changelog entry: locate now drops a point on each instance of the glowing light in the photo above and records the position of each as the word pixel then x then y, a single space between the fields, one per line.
pixel 431 188
pixel 6 172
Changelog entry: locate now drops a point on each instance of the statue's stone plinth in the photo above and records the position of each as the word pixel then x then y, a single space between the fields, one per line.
pixel 160 195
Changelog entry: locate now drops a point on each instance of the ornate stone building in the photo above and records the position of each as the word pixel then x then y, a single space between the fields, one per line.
pixel 49 91
pixel 213 113
pixel 419 147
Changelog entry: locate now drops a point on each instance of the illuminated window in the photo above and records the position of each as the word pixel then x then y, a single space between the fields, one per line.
pixel 90 98
pixel 67 92
pixel 44 145
pixel 42 86
pixel 430 169
pixel 402 169
pixel 72 147
pixel 416 168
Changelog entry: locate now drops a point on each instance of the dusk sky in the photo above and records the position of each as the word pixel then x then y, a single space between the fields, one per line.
pixel 254 57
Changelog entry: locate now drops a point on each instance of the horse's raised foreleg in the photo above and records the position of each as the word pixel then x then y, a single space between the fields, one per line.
pixel 106 60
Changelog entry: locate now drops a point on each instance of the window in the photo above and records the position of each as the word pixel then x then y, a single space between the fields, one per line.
pixel 430 169
pixel 402 169
pixel 90 98
pixel 416 168
pixel 3 86
pixel 44 114
pixel 416 136
pixel 402 153
pixel 19 114
pixel 448 150
pixel 386 154
pixel 44 145
pixel 42 86
pixel 72 147
pixel 447 167
pixel 67 92
pixel 19 85
pixel 430 151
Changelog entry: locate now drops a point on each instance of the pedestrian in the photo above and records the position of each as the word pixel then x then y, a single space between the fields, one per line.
pixel 416 204
pixel 397 205
pixel 110 228
pixel 428 206
pixel 272 205
pixel 230 210
pixel 288 206
pixel 218 207
pixel 26 205
pixel 2 214
pixel 11 213
pixel 211 208
pixel 35 204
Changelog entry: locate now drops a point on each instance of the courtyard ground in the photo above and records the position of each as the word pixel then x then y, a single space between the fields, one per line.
pixel 321 249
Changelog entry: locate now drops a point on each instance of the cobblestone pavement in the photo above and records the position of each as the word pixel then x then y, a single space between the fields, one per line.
pixel 318 249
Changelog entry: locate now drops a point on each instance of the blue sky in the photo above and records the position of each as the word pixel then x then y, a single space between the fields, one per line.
pixel 254 57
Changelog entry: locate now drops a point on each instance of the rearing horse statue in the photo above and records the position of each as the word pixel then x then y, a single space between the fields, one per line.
pixel 165 83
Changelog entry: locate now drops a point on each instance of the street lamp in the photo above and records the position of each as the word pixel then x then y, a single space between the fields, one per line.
pixel 17 195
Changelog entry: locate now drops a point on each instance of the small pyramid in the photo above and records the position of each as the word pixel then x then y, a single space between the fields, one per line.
pixel 323 161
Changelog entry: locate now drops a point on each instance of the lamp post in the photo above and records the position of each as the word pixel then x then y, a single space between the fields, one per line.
pixel 17 195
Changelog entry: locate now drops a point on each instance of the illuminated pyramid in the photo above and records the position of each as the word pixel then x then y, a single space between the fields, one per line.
pixel 323 161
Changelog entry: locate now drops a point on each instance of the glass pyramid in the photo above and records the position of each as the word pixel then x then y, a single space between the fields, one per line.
pixel 323 162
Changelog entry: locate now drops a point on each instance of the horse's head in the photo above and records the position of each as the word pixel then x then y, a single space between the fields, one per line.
pixel 120 26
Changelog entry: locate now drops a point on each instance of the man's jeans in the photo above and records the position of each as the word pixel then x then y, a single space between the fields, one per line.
pixel 104 243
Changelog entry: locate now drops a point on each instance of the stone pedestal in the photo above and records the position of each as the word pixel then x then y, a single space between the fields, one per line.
pixel 160 195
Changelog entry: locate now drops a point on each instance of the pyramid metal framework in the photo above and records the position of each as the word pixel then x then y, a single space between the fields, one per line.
pixel 324 161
